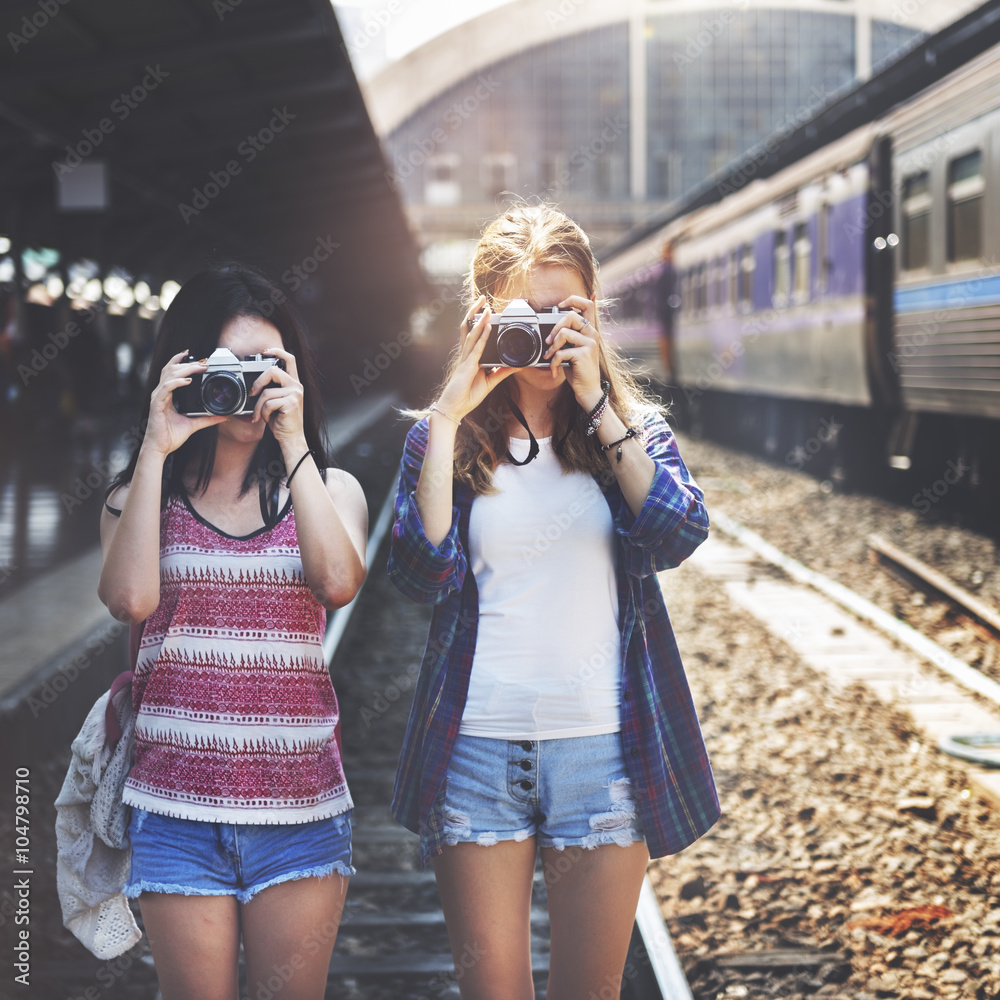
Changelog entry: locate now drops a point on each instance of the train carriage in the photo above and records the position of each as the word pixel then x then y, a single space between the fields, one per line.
pixel 856 286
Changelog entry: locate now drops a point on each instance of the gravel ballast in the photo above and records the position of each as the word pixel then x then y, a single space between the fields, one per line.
pixel 847 840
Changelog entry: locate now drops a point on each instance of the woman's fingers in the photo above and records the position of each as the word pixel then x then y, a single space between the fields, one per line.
pixel 279 376
pixel 291 365
pixel 480 334
pixel 286 400
pixel 495 376
pixel 206 420
pixel 475 334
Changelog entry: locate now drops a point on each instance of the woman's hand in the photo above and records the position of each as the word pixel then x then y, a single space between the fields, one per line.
pixel 575 339
pixel 167 429
pixel 469 385
pixel 280 401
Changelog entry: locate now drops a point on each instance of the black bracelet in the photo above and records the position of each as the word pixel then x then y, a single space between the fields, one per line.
pixel 586 418
pixel 630 433
pixel 288 481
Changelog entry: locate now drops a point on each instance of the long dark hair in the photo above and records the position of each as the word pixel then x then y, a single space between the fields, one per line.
pixel 195 320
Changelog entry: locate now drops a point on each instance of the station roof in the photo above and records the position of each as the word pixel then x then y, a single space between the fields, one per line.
pixel 925 64
pixel 228 127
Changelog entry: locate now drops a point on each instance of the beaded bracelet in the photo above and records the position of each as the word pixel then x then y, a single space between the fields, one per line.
pixel 630 433
pixel 593 419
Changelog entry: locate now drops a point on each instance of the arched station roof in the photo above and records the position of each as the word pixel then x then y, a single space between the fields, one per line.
pixel 403 87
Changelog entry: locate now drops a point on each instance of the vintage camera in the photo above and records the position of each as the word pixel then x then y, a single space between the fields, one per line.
pixel 224 389
pixel 517 336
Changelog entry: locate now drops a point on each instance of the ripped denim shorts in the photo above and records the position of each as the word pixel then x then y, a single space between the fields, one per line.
pixel 569 792
pixel 197 858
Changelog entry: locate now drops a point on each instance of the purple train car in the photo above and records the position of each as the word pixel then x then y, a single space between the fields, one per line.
pixel 857 288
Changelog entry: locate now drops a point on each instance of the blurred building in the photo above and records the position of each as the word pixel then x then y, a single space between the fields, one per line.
pixel 613 108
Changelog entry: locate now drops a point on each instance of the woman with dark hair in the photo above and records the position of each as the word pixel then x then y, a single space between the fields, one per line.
pixel 229 538
pixel 551 713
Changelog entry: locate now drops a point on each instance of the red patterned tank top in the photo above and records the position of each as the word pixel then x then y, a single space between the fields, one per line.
pixel 236 714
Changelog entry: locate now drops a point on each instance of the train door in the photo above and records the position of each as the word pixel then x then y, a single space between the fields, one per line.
pixel 880 276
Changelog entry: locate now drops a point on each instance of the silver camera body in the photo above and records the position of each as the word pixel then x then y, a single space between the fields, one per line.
pixel 224 388
pixel 517 336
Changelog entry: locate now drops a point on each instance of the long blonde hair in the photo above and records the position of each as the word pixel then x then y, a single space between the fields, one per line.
pixel 511 246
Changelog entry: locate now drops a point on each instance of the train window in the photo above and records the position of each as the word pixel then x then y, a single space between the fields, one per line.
pixel 782 268
pixel 916 221
pixel 733 293
pixel 803 261
pixel 700 290
pixel 748 264
pixel 441 182
pixel 823 248
pixel 498 173
pixel 965 207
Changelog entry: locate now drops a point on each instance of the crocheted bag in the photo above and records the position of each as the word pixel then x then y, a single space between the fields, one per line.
pixel 93 852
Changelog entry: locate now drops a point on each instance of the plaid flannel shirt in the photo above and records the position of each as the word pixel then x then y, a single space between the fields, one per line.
pixel 662 744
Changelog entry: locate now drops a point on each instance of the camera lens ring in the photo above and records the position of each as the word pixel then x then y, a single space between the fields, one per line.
pixel 519 345
pixel 223 393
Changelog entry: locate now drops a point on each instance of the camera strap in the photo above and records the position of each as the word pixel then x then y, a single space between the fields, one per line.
pixel 533 444
pixel 268 510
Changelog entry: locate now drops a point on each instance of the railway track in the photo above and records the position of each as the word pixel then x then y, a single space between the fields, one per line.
pixel 966 624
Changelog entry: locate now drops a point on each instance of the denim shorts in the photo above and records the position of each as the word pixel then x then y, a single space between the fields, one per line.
pixel 197 858
pixel 569 792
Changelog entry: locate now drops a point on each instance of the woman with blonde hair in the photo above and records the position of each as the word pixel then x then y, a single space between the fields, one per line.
pixel 551 712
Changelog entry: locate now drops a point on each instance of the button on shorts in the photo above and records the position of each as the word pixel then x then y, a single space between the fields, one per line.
pixel 197 858
pixel 569 792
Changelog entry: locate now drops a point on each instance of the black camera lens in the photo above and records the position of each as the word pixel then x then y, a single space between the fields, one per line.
pixel 518 346
pixel 223 393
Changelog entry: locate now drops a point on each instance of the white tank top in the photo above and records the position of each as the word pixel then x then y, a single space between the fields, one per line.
pixel 548 650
